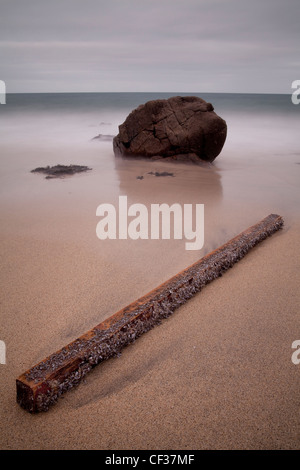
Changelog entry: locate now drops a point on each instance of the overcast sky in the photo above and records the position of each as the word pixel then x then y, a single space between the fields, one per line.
pixel 150 45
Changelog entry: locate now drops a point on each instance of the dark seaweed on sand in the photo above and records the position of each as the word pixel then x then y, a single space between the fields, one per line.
pixel 163 173
pixel 58 171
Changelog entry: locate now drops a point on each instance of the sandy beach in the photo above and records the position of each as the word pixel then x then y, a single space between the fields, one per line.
pixel 174 124
pixel 217 374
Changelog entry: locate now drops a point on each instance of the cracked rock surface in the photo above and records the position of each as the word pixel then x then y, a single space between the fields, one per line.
pixel 177 127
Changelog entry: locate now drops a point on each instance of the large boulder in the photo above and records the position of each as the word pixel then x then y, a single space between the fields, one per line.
pixel 179 127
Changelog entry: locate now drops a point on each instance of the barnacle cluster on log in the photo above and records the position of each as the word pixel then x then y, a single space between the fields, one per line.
pixel 40 386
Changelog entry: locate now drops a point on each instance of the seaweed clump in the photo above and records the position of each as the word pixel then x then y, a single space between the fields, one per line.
pixel 59 171
pixel 162 173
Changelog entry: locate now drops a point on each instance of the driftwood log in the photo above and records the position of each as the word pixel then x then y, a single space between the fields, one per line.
pixel 40 386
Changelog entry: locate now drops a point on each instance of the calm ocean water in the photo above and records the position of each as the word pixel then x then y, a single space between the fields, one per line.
pixel 267 121
pixel 260 160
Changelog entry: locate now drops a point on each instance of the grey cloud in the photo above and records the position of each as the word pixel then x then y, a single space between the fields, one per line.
pixel 157 45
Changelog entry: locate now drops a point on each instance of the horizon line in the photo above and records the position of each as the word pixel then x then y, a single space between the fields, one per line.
pixel 173 92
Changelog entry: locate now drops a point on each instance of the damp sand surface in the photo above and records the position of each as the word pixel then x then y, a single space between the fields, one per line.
pixel 216 374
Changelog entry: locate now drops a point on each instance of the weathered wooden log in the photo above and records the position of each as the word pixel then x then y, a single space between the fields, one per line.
pixel 40 386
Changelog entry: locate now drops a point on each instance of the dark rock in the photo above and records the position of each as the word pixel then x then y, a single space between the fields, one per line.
pixel 162 173
pixel 186 127
pixel 103 137
pixel 60 170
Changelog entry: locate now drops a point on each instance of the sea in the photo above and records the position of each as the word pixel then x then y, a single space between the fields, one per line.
pixel 256 173
pixel 265 122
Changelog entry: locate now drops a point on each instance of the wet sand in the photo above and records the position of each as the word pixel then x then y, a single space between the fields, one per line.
pixel 216 375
